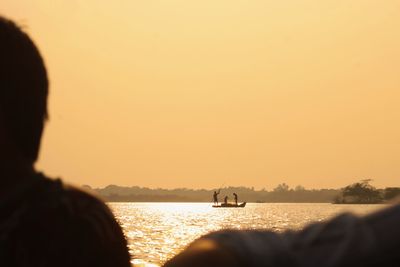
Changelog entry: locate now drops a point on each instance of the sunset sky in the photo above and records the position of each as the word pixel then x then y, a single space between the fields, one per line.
pixel 186 93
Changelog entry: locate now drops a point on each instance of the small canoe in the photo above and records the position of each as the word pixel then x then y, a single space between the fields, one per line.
pixel 230 205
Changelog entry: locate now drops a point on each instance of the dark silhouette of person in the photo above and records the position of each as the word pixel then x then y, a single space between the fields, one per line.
pixel 236 198
pixel 43 221
pixel 226 199
pixel 215 196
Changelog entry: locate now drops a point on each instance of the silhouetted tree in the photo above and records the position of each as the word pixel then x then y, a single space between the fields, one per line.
pixel 299 188
pixel 281 188
pixel 361 192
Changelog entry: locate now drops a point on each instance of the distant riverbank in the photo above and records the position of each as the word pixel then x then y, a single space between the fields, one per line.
pixel 357 193
pixel 281 194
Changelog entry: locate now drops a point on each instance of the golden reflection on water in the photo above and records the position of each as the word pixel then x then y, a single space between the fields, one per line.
pixel 157 231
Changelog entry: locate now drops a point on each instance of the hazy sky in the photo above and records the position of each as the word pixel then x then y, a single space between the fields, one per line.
pixel 179 93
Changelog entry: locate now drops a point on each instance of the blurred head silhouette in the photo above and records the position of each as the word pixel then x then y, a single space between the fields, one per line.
pixel 76 229
pixel 23 94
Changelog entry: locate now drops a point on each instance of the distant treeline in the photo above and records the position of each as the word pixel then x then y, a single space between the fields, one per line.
pixel 361 192
pixel 282 193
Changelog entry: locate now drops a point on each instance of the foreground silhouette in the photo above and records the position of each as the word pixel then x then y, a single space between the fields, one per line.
pixel 43 222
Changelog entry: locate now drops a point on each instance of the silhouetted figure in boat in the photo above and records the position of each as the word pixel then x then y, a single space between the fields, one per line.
pixel 226 200
pixel 215 196
pixel 236 198
pixel 43 222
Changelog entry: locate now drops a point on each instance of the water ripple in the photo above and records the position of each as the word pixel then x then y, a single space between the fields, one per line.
pixel 157 231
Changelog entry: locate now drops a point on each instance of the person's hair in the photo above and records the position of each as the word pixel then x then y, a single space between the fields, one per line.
pixel 23 89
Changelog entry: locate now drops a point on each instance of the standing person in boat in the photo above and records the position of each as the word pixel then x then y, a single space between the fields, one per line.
pixel 236 198
pixel 226 200
pixel 43 222
pixel 215 196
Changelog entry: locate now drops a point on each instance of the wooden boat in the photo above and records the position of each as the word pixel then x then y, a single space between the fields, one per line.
pixel 230 205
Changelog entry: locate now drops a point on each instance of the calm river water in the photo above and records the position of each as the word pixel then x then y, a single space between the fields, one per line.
pixel 157 231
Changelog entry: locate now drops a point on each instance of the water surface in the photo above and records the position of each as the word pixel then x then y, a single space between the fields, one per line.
pixel 157 231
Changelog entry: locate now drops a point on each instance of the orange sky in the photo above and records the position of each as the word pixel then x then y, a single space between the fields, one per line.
pixel 177 93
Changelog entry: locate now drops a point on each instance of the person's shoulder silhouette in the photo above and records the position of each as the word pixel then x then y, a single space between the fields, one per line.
pixel 43 222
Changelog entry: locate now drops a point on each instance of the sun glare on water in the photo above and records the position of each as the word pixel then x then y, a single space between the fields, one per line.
pixel 158 231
